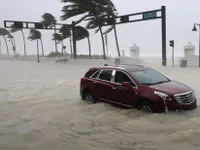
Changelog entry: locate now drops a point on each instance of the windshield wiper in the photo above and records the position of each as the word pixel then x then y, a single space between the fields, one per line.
pixel 147 83
pixel 161 82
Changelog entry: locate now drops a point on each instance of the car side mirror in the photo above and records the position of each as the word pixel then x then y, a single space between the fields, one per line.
pixel 126 84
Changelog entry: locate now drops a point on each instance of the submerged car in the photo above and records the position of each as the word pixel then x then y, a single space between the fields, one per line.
pixel 136 86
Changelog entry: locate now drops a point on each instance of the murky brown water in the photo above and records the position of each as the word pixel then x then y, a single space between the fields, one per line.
pixel 40 108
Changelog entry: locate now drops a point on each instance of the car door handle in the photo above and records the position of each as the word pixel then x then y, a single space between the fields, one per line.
pixel 94 82
pixel 113 88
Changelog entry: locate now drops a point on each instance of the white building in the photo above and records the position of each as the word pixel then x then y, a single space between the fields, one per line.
pixel 190 58
pixel 134 51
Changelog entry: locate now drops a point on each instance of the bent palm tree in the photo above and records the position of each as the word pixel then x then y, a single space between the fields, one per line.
pixel 116 37
pixel 82 33
pixel 13 30
pixel 99 9
pixel 59 38
pixel 36 35
pixel 49 21
pixel 66 33
pixel 12 40
pixel 4 32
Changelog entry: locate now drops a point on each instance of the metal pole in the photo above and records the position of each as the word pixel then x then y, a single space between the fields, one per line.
pixel 164 45
pixel 199 44
pixel 74 39
pixel 173 56
pixel 38 55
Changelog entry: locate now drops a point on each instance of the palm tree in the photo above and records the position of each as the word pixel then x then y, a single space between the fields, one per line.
pixel 116 37
pixel 49 21
pixel 4 32
pixel 36 35
pixel 12 40
pixel 66 33
pixel 82 33
pixel 59 38
pixel 99 9
pixel 13 30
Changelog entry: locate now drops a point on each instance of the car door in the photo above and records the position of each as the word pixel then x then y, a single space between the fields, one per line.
pixel 103 84
pixel 123 94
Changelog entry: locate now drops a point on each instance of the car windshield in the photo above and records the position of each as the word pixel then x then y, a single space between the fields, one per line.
pixel 149 77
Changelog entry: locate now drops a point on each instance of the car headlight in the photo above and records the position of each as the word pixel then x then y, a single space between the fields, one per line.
pixel 163 96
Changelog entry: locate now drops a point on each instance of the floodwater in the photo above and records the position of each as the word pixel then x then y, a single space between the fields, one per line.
pixel 40 109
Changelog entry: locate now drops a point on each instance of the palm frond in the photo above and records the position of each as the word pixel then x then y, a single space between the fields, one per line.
pixel 34 34
pixel 4 32
pixel 48 20
pixel 81 33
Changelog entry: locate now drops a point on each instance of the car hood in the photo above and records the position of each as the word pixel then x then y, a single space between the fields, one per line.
pixel 171 87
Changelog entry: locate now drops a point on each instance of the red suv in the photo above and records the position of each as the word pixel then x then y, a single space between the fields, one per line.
pixel 136 86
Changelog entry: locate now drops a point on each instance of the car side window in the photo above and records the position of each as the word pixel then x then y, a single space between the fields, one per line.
pixel 95 75
pixel 106 75
pixel 121 77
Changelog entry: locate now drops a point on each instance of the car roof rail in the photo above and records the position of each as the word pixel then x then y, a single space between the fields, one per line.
pixel 127 65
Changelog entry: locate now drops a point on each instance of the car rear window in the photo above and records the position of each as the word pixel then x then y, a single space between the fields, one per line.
pixel 90 72
pixel 96 74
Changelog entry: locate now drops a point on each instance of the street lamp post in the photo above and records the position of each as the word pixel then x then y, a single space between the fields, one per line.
pixel 0 47
pixel 195 29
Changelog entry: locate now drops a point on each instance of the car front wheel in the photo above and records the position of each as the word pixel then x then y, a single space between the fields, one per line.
pixel 147 107
pixel 88 96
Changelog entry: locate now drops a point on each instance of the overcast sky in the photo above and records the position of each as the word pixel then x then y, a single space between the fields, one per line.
pixel 181 15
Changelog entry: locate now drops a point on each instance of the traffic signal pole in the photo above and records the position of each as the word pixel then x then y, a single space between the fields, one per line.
pixel 144 16
pixel 172 56
pixel 164 48
pixel 171 44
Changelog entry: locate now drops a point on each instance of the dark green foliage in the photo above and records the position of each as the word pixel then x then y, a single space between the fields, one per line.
pixel 34 35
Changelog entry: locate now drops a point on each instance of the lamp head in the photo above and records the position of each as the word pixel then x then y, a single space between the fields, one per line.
pixel 194 29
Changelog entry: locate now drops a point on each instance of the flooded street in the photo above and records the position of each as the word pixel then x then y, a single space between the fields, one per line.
pixel 40 109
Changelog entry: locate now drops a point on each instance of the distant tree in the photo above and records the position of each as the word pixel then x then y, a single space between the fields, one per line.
pixel 4 32
pixel 92 9
pixel 82 33
pixel 49 21
pixel 12 40
pixel 36 35
pixel 13 30
pixel 66 33
pixel 59 38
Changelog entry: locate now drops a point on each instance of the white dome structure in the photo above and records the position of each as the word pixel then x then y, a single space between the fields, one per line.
pixel 189 50
pixel 189 59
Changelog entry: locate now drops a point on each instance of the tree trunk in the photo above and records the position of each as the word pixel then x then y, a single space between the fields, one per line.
pixel 106 43
pixel 38 55
pixel 42 47
pixel 62 47
pixel 15 48
pixel 103 43
pixel 89 45
pixel 6 45
pixel 24 42
pixel 70 40
pixel 116 40
pixel 56 46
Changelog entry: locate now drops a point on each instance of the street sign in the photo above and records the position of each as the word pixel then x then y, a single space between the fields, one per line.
pixel 150 15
